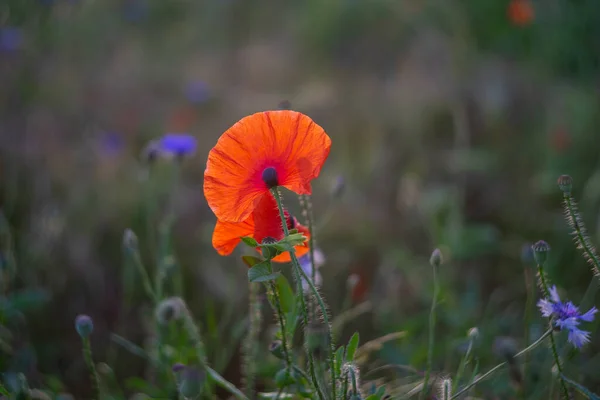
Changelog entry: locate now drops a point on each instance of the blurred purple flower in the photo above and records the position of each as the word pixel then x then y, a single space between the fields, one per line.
pixel 197 92
pixel 567 316
pixel 11 39
pixel 178 144
pixel 307 267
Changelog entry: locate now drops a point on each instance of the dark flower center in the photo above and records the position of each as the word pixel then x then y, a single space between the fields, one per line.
pixel 269 177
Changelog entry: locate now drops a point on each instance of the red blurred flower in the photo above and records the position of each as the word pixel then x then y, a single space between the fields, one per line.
pixel 520 12
pixel 261 151
pixel 263 222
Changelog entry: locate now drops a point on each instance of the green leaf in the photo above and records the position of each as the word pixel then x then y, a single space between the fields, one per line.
pixel 282 246
pixel 262 273
pixel 339 360
pixel 250 241
pixel 581 389
pixel 286 294
pixel 352 346
pixel 251 261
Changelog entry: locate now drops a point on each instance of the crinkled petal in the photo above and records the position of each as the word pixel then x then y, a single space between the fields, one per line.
pixel 554 294
pixel 288 141
pixel 578 337
pixel 227 235
pixel 589 316
pixel 545 307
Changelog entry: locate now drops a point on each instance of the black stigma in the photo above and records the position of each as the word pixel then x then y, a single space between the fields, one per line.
pixel 269 177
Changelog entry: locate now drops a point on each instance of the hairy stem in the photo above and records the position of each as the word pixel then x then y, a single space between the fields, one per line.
pixel 299 272
pixel 87 356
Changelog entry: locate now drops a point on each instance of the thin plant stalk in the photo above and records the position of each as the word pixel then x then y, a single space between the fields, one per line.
pixel 463 363
pixel 87 356
pixel 307 210
pixel 432 320
pixel 499 366
pixel 546 293
pixel 252 338
pixel 299 271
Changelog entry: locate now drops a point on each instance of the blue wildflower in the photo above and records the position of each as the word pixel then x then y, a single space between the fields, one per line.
pixel 307 267
pixel 566 316
pixel 178 144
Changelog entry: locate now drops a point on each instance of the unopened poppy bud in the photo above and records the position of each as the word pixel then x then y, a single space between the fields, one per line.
pixel 269 177
pixel 284 378
pixel 338 187
pixel 276 348
pixel 565 183
pixel 84 325
pixel 130 240
pixel 540 252
pixel 192 381
pixel 169 310
pixel 317 339
pixel 436 258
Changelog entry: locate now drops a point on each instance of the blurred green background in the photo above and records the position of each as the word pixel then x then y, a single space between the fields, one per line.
pixel 450 122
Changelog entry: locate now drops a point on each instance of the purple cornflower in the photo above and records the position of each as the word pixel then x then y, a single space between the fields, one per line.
pixel 567 316
pixel 178 144
pixel 307 267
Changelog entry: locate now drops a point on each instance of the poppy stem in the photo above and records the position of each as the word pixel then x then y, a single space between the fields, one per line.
pixel 299 272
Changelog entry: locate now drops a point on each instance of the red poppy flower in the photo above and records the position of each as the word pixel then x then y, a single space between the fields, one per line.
pixel 263 222
pixel 261 151
pixel 520 12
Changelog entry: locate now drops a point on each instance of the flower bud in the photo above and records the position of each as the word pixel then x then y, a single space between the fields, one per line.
pixel 84 325
pixel 169 310
pixel 436 258
pixel 276 348
pixel 473 333
pixel 565 183
pixel 269 252
pixel 540 252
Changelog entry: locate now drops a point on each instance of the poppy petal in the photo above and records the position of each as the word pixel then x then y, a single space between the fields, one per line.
pixel 289 142
pixel 226 235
